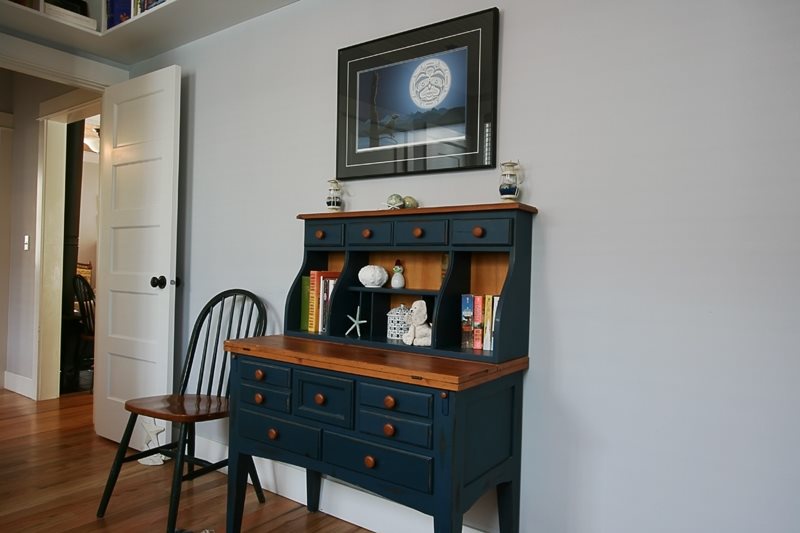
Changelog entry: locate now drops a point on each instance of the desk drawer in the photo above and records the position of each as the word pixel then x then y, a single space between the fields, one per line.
pixel 290 436
pixel 323 234
pixel 395 428
pixel 395 466
pixel 265 398
pixel 324 398
pixel 487 231
pixel 422 232
pixel 369 233
pixel 397 400
pixel 257 372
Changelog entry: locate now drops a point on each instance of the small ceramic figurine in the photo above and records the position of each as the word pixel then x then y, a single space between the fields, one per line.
pixel 395 201
pixel 409 202
pixel 334 199
pixel 398 280
pixel 419 331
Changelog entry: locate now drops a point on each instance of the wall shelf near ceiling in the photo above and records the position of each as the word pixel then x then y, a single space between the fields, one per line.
pixel 169 25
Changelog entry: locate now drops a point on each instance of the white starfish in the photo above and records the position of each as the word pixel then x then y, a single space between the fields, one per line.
pixel 356 322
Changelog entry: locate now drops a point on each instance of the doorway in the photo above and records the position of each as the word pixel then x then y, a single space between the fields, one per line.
pixel 75 106
pixel 80 255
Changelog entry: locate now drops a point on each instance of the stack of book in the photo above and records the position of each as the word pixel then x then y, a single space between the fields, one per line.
pixel 316 294
pixel 477 320
pixel 74 14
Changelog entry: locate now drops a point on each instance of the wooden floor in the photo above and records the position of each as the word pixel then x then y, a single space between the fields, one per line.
pixel 53 469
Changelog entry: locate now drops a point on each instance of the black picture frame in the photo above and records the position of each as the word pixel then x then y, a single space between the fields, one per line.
pixel 419 101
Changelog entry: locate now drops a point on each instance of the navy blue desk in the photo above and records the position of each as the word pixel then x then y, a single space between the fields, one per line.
pixel 431 433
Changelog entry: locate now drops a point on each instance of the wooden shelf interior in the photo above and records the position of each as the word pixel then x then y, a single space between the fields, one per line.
pixel 488 273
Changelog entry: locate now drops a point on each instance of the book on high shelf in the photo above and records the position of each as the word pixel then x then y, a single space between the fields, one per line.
pixel 467 301
pixel 148 4
pixel 488 322
pixel 477 322
pixel 117 11
pixel 304 289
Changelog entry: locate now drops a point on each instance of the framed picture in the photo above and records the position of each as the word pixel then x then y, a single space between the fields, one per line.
pixel 419 101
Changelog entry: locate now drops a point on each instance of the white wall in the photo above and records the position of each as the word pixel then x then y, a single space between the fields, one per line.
pixel 6 135
pixel 28 93
pixel 660 141
pixel 6 139
pixel 87 233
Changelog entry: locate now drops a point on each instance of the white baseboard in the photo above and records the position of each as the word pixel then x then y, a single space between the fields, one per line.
pixel 336 498
pixel 20 384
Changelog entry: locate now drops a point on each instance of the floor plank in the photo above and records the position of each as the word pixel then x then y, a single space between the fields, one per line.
pixel 54 468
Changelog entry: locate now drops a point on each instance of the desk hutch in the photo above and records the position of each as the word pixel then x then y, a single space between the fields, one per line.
pixel 433 427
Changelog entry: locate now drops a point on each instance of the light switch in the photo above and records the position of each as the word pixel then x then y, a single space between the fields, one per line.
pixel 26 242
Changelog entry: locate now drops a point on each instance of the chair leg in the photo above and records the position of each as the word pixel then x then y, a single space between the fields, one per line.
pixel 117 465
pixel 256 482
pixel 190 447
pixel 177 475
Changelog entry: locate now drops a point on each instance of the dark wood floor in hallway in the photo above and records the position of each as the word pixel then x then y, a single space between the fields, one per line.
pixel 53 468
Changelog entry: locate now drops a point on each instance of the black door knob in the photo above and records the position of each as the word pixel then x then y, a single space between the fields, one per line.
pixel 159 282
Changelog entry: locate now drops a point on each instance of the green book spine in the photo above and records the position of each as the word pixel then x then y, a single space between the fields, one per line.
pixel 305 286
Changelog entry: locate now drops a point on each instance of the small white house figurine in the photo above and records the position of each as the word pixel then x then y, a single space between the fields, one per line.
pixel 398 280
pixel 372 276
pixel 419 331
pixel 396 325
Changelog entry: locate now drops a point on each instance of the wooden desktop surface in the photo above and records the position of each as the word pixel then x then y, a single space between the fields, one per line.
pixel 404 367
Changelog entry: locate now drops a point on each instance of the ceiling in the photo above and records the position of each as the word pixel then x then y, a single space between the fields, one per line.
pixel 163 28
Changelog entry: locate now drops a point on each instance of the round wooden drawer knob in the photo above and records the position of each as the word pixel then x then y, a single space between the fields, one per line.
pixel 369 461
pixel 366 233
pixel 272 434
pixel 478 232
pixel 389 430
pixel 417 232
pixel 389 402
pixel 320 399
pixel 260 375
pixel 258 398
pixel 319 234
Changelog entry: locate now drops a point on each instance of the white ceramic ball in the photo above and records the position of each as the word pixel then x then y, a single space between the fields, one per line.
pixel 372 276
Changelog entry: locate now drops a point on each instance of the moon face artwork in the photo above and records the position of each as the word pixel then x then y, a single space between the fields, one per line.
pixel 413 102
pixel 430 83
pixel 419 101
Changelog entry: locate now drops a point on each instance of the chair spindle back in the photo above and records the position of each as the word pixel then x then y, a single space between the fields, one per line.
pixel 231 314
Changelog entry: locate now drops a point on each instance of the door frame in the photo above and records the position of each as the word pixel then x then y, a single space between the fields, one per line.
pixel 41 61
pixel 54 115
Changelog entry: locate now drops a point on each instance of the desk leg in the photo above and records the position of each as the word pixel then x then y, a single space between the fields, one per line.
pixel 238 466
pixel 313 483
pixel 508 506
pixel 447 522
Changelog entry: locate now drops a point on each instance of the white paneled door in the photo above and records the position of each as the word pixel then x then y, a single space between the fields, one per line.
pixel 137 235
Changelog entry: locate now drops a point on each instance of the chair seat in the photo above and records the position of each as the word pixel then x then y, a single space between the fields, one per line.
pixel 183 408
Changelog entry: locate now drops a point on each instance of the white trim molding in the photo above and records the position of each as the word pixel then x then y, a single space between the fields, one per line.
pixel 54 65
pixel 20 385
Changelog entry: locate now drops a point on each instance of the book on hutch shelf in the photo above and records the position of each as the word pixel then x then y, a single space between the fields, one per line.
pixel 477 322
pixel 315 298
pixel 305 282
pixel 488 322
pixel 326 288
pixel 467 336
